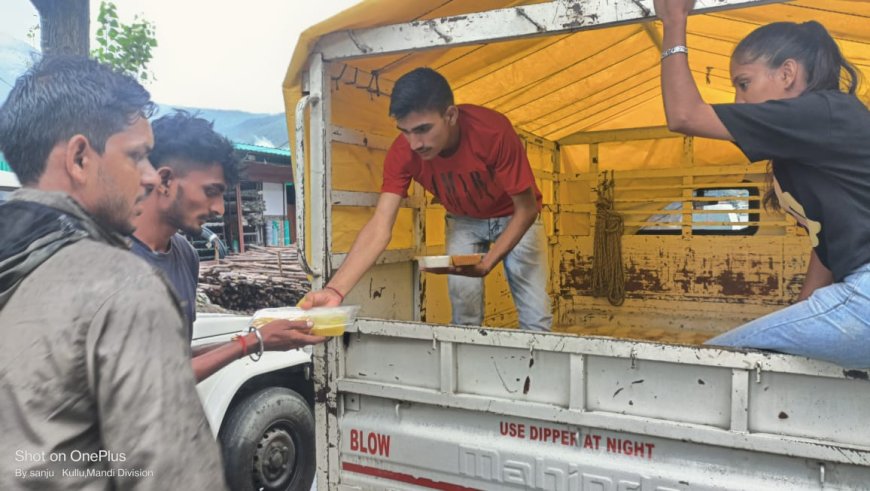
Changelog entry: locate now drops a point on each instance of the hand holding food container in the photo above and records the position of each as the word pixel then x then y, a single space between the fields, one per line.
pixel 326 321
pixel 277 335
pixel 455 264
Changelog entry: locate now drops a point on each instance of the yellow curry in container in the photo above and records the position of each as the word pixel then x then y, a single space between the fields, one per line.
pixel 328 321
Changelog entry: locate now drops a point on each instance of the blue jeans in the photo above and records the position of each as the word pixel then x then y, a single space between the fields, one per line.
pixel 832 325
pixel 525 267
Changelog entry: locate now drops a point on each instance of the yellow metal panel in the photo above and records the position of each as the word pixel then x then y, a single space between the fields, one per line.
pixel 349 220
pixel 356 168
pixel 499 310
pixel 435 226
pixel 375 294
pixel 539 157
pixel 574 224
pixel 546 187
pixel 354 107
pixel 575 159
pixel 437 299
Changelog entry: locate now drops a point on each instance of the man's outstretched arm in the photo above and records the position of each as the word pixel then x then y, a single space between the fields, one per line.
pixel 369 244
pixel 278 335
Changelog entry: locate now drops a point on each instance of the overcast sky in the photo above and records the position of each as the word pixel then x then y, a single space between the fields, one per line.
pixel 221 54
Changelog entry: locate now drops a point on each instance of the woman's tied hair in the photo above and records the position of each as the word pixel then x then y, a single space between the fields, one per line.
pixel 809 44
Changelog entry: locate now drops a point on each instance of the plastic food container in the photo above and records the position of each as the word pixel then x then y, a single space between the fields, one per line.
pixel 328 321
pixel 439 264
pixel 434 262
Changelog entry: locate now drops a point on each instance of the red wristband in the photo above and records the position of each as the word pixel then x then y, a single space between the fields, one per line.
pixel 336 292
pixel 244 343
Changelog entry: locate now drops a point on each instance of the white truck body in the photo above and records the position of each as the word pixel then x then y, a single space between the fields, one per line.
pixel 442 407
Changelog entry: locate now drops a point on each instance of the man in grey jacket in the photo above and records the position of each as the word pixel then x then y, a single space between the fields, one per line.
pixel 96 390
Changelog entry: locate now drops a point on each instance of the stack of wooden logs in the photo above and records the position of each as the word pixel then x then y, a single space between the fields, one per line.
pixel 253 205
pixel 261 277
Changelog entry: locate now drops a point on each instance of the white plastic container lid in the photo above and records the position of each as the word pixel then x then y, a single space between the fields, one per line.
pixel 323 317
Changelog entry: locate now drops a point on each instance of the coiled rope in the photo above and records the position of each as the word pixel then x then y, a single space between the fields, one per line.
pixel 608 278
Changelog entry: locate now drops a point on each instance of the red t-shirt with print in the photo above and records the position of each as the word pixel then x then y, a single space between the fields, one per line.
pixel 479 178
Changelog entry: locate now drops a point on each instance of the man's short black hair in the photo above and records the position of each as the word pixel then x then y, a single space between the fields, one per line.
pixel 60 97
pixel 422 89
pixel 193 140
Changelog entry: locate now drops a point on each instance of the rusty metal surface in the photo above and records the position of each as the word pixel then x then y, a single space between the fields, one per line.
pixel 682 290
pixel 715 269
pixel 546 18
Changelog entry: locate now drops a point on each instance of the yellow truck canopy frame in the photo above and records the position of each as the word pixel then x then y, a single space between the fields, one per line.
pixel 585 101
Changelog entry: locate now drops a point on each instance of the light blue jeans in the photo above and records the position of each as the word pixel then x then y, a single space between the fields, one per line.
pixel 525 267
pixel 832 325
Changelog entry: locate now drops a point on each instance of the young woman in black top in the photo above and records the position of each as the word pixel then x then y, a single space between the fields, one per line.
pixel 795 106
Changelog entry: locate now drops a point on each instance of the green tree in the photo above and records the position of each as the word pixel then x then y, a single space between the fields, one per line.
pixel 126 47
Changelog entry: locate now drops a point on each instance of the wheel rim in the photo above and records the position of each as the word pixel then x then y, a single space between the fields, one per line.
pixel 275 458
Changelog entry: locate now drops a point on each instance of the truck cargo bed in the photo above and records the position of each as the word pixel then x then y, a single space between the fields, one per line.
pixel 447 407
pixel 672 335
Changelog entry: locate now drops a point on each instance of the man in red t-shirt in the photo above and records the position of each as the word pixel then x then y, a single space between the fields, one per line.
pixel 473 161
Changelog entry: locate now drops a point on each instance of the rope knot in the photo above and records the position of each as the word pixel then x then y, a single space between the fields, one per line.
pixel 608 278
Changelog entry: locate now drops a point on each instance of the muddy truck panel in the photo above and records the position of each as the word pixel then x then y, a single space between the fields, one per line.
pixel 472 408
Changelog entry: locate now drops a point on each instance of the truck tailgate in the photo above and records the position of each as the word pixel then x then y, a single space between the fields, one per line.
pixel 420 406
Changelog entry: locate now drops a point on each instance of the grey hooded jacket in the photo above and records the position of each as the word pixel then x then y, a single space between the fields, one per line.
pixel 96 387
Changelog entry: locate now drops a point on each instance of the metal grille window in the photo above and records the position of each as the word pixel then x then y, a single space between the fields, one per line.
pixel 715 211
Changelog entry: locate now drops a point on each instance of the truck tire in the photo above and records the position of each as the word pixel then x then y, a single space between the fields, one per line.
pixel 268 442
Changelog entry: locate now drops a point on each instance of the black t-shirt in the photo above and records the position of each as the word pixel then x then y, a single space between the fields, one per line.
pixel 819 144
pixel 180 265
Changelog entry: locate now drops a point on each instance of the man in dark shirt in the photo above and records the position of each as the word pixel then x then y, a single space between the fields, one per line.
pixel 179 263
pixel 194 165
